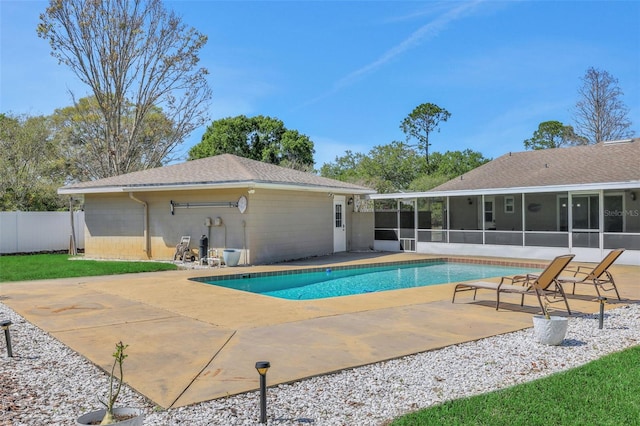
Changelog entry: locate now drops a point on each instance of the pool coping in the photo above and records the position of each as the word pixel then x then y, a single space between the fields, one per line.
pixel 515 264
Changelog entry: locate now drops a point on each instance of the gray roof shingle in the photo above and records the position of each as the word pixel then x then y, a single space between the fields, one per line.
pixel 588 164
pixel 222 170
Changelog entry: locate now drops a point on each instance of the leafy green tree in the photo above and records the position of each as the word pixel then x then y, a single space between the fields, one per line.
pixel 398 167
pixel 259 138
pixel 427 182
pixel 344 168
pixel 447 166
pixel 296 151
pixel 386 168
pixel 421 122
pixel 225 136
pixel 455 163
pixel 553 134
pixel 138 59
pixel 600 115
pixel 31 165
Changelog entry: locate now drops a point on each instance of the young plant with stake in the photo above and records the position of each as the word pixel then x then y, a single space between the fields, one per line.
pixel 545 311
pixel 115 383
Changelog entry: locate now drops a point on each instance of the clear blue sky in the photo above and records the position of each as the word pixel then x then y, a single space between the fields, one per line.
pixel 347 73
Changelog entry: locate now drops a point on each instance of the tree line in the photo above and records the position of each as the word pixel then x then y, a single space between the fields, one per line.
pixel 148 93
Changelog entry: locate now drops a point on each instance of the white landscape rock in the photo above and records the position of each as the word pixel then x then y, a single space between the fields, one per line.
pixel 46 383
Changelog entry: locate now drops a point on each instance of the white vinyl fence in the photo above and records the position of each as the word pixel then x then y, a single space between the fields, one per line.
pixel 28 232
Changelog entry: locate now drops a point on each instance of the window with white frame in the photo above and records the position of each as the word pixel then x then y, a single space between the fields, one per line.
pixel 509 204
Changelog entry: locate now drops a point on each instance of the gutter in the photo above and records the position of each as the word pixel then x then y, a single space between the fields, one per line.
pixel 146 224
pixel 229 185
pixel 514 190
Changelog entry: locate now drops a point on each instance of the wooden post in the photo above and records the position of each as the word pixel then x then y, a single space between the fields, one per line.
pixel 72 238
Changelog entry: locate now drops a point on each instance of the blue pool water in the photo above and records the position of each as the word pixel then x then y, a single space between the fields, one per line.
pixel 344 282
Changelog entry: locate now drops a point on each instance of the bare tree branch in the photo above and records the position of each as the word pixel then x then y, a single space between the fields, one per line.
pixel 139 60
pixel 600 115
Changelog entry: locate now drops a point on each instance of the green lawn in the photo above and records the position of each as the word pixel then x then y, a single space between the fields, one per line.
pixel 603 392
pixel 46 266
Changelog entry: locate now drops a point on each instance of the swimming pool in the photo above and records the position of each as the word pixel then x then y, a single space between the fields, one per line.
pixel 325 283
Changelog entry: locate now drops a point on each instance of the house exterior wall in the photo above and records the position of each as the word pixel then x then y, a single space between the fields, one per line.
pixel 362 231
pixel 286 225
pixel 631 211
pixel 167 229
pixel 462 214
pixel 277 225
pixel 506 221
pixel 541 212
pixel 113 227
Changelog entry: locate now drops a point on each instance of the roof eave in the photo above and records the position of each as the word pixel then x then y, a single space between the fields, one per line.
pixel 200 186
pixel 523 190
pixel 315 188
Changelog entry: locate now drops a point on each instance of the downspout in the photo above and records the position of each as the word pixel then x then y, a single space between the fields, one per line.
pixel 146 223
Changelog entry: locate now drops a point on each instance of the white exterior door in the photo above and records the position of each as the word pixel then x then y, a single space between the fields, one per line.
pixel 339 225
pixel 489 213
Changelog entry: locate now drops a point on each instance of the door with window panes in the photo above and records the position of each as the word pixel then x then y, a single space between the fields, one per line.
pixel 489 213
pixel 585 220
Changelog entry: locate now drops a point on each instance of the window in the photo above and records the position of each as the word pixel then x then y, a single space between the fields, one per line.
pixel 509 204
pixel 338 215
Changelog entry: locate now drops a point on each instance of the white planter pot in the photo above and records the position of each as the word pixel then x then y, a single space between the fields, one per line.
pixel 231 257
pixel 550 331
pixel 95 417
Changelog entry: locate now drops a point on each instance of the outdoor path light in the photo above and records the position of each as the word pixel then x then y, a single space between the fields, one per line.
pixel 262 367
pixel 5 326
pixel 602 300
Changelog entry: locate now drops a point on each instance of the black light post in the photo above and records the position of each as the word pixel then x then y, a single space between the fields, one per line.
pixel 601 319
pixel 262 367
pixel 5 326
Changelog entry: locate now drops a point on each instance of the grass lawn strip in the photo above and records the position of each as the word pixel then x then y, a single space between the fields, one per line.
pixel 50 266
pixel 602 392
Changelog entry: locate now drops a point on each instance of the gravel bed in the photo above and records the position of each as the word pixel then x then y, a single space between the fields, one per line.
pixel 48 383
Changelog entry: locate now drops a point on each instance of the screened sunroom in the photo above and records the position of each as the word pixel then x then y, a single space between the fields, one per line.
pixel 581 217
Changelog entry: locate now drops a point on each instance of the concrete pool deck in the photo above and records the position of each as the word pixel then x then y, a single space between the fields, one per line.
pixel 191 342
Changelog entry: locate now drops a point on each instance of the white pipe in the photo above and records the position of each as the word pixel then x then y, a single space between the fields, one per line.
pixel 146 223
pixel 244 241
